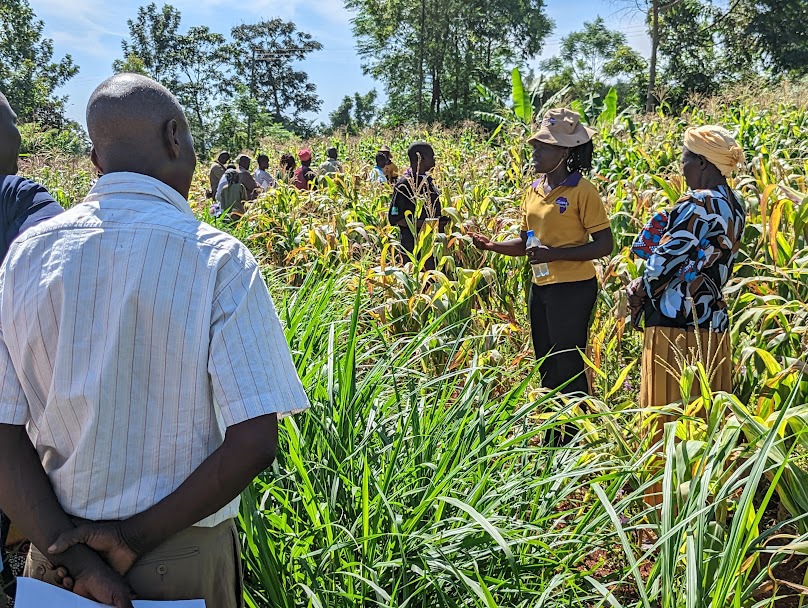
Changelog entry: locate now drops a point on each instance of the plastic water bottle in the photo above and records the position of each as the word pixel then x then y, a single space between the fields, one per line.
pixel 540 269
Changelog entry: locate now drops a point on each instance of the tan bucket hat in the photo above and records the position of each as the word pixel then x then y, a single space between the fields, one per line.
pixel 562 127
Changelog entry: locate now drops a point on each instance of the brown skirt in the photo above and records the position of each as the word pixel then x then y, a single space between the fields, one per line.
pixel 667 350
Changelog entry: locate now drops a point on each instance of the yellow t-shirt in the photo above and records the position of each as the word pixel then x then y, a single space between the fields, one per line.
pixel 391 172
pixel 565 218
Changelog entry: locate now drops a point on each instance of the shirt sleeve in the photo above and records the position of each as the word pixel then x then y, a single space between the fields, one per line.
pixel 401 200
pixel 250 366
pixel 25 204
pixel 593 212
pixel 523 208
pixel 13 402
pixel 677 249
pixel 44 212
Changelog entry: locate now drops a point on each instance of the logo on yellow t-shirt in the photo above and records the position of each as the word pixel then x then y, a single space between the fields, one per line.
pixel 563 204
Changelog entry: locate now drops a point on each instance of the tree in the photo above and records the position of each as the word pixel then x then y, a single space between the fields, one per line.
pixel 264 59
pixel 202 63
pixel 595 58
pixel 28 75
pixel 191 65
pixel 231 117
pixel 691 50
pixel 154 35
pixel 365 108
pixel 702 49
pixel 341 117
pixel 652 63
pixel 431 54
pixel 698 45
pixel 354 113
pixel 779 30
pixel 131 65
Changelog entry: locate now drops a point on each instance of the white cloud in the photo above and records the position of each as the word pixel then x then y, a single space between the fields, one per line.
pixel 92 42
pixel 80 16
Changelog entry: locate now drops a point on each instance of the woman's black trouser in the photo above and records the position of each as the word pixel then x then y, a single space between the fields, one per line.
pixel 560 315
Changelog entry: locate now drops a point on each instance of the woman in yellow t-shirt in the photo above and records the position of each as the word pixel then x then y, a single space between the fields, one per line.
pixel 564 210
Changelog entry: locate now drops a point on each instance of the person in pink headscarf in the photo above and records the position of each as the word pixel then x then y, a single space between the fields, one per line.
pixel 304 174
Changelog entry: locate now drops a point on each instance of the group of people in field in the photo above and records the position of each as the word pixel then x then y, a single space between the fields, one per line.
pixel 689 252
pixel 143 367
pixel 233 186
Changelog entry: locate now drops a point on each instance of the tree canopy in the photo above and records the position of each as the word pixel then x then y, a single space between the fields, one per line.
pixel 29 76
pixel 431 55
pixel 595 58
pixel 354 113
pixel 250 78
pixel 263 60
pixel 442 61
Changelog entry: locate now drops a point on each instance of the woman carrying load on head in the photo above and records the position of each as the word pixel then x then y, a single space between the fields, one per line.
pixel 564 210
pixel 690 252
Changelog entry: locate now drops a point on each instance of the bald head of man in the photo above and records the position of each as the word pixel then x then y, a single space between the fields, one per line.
pixel 137 125
pixel 9 138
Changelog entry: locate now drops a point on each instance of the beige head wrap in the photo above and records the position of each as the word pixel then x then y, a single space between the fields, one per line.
pixel 716 145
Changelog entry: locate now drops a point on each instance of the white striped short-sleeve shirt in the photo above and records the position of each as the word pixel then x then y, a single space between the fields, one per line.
pixel 131 336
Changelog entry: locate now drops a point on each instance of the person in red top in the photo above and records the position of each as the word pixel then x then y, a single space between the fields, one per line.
pixel 304 175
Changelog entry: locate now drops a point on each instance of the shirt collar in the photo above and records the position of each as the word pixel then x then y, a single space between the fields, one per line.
pixel 572 180
pixel 123 183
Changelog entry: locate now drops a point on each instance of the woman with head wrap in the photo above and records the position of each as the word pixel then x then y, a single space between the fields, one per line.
pixel 690 252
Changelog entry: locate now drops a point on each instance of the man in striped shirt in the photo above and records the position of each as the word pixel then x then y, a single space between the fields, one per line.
pixel 143 370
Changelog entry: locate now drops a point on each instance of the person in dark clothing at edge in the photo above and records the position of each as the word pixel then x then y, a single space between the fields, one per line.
pixel 23 204
pixel 415 186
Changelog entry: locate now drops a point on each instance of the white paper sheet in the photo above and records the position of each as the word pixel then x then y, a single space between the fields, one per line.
pixel 32 593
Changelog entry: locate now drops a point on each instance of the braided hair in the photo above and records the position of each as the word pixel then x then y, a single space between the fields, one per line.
pixel 580 158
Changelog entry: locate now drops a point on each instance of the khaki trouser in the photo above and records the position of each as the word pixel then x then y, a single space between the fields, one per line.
pixel 664 351
pixel 197 563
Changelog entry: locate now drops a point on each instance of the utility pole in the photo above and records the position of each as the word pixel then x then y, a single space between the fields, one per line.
pixel 253 96
pixel 649 100
pixel 421 61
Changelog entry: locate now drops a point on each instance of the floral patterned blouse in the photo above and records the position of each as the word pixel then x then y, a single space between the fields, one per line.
pixel 690 254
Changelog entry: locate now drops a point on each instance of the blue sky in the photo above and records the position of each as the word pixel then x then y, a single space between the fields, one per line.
pixel 91 31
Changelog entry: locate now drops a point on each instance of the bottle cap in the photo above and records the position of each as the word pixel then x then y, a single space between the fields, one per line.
pixel 530 233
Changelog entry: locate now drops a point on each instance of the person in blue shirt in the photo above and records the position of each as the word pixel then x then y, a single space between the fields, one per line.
pixel 377 173
pixel 23 204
